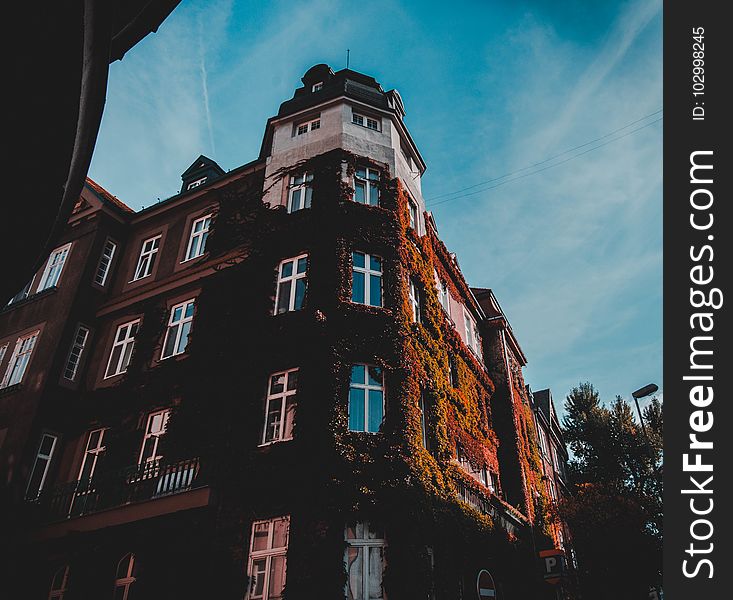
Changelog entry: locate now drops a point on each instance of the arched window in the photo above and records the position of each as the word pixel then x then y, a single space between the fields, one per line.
pixel 59 583
pixel 125 577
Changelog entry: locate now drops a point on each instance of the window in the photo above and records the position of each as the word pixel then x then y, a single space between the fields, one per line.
pixel 494 482
pixel 267 558
pixel 77 349
pixel 280 407
pixel 302 128
pixel 364 562
pixel 366 186
pixel 195 184
pixel 199 235
pixel 366 281
pixel 55 265
pixel 155 428
pixel 22 294
pixel 412 207
pixel 443 294
pixel 147 258
pixel 19 360
pixel 472 338
pixel 300 192
pixel 125 577
pixel 317 86
pixel 367 122
pixel 3 350
pixel 366 398
pixel 453 368
pixel 59 584
pixel 93 452
pixel 41 465
pixel 105 261
pixel 414 297
pixel 179 328
pixel 291 284
pixel 122 348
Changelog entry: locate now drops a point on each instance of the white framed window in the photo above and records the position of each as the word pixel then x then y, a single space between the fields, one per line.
pixel 196 183
pixel 199 235
pixel 125 577
pixel 54 266
pixel 146 261
pixel 59 584
pixel 472 337
pixel 122 347
pixel 19 360
pixel 366 279
pixel 414 297
pixel 105 262
pixel 3 350
pixel 268 551
pixel 366 398
pixel 412 208
pixel 300 192
pixel 280 407
pixel 41 465
pixel 77 349
pixel 179 328
pixel 155 428
pixel 368 122
pixel 443 293
pixel 317 86
pixel 307 126
pixel 364 562
pixel 292 283
pixel 24 293
pixel 93 451
pixel 366 186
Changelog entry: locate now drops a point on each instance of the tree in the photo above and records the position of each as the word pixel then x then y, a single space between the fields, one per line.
pixel 615 508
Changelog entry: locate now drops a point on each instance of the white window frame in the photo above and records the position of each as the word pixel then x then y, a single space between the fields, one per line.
pixel 365 544
pixel 129 578
pixel 443 294
pixel 317 86
pixel 306 126
pixel 302 183
pixel 197 239
pixel 368 273
pixel 24 293
pixel 367 387
pixel 285 397
pixel 293 278
pixel 81 337
pixel 48 459
pixel 105 262
pixel 156 435
pixel 366 181
pixel 146 260
pixel 414 298
pixel 54 268
pixel 471 331
pixel 3 350
pixel 196 183
pixel 57 593
pixel 128 340
pixel 267 555
pixel 179 325
pixel 370 123
pixel 413 212
pixel 20 359
pixel 92 453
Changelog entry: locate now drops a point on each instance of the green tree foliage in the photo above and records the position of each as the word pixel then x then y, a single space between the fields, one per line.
pixel 615 508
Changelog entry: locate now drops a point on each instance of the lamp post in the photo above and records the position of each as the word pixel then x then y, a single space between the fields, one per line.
pixel 642 393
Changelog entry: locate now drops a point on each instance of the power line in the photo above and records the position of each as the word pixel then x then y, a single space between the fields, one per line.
pixel 557 164
pixel 430 200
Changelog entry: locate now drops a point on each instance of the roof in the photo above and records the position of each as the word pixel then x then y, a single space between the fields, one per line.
pixel 105 196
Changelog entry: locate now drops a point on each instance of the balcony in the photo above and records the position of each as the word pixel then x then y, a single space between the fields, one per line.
pixel 504 515
pixel 152 488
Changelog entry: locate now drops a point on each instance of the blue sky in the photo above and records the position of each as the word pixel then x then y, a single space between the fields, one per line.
pixel 573 251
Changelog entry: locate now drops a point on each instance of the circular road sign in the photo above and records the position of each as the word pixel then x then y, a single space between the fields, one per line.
pixel 485 586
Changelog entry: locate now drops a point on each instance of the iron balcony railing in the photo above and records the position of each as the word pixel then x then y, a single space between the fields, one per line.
pixel 137 483
pixel 492 506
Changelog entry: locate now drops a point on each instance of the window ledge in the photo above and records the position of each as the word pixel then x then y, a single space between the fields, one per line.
pixel 6 391
pixel 29 299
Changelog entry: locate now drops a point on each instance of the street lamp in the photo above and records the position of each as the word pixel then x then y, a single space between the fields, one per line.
pixel 641 393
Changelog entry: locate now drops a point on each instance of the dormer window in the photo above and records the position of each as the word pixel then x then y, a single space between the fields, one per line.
pixel 197 183
pixel 367 122
pixel 317 86
pixel 302 128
